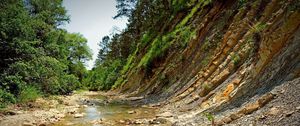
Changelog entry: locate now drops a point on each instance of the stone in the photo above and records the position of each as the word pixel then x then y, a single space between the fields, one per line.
pixel 298 108
pixel 78 115
pixel 161 120
pixel 154 121
pixel 60 115
pixel 122 121
pixel 99 121
pixel 226 120
pixel 138 122
pixel 27 124
pixel 11 112
pixel 131 112
pixel 42 124
pixel 19 112
pixel 69 124
pixel 273 111
pixel 165 114
pixel 289 113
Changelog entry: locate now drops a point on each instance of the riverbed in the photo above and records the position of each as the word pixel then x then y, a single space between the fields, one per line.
pixel 97 111
pixel 83 109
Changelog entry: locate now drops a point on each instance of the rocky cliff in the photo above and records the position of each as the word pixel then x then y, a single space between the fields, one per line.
pixel 237 58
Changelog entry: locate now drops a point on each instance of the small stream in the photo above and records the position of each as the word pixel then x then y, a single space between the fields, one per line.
pixel 114 114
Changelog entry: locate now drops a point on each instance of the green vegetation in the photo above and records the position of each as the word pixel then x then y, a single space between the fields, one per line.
pixel 258 27
pixel 160 45
pixel 6 98
pixel 38 58
pixel 150 34
pixel 206 86
pixel 29 94
pixel 210 117
pixel 236 59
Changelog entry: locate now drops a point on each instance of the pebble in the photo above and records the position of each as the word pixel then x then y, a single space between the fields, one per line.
pixel 27 124
pixel 78 115
pixel 131 112
pixel 289 113
pixel 122 121
pixel 273 111
pixel 166 114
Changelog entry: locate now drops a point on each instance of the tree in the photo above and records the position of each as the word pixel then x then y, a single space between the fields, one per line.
pixel 36 55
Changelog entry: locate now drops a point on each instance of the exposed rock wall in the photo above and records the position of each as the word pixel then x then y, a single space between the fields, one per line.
pixel 240 53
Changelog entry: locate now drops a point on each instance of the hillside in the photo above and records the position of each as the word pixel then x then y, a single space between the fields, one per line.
pixel 178 62
pixel 221 57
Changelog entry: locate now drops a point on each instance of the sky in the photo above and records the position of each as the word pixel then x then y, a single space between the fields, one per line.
pixel 93 19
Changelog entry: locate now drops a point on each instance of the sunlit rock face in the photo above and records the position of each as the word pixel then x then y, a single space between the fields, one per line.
pixel 241 51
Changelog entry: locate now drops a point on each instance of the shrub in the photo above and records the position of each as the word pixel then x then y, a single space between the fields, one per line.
pixel 236 59
pixel 6 98
pixel 29 94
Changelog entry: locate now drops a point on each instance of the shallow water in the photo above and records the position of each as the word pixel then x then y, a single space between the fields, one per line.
pixel 111 114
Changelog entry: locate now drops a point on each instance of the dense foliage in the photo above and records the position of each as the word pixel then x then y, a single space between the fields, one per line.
pixel 149 35
pixel 37 56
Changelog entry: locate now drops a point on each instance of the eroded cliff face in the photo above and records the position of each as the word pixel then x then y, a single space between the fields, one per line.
pixel 240 52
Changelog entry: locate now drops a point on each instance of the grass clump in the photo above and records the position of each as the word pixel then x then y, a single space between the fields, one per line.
pixel 210 118
pixel 235 58
pixel 29 94
pixel 258 27
pixel 161 44
pixel 206 86
pixel 199 5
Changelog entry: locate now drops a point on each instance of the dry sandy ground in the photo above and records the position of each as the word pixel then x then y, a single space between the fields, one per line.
pixel 44 111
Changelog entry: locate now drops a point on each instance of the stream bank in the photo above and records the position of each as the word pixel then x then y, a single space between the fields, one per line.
pixel 81 108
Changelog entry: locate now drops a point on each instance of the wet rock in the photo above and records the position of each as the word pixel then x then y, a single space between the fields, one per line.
pixel 95 122
pixel 131 112
pixel 135 98
pixel 78 115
